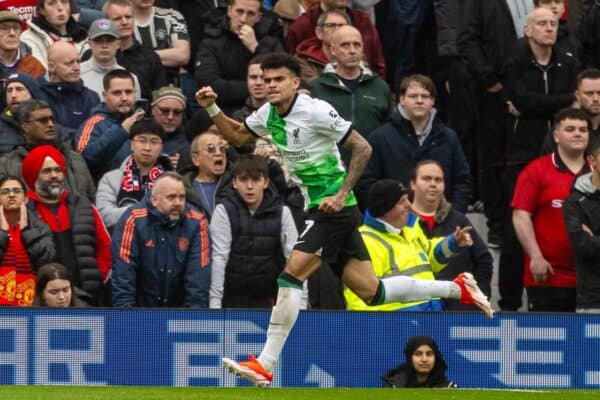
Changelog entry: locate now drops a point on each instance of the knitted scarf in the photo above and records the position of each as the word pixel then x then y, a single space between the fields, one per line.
pixel 17 278
pixel 134 186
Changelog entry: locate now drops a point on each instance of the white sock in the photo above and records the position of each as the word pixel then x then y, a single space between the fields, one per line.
pixel 283 318
pixel 403 289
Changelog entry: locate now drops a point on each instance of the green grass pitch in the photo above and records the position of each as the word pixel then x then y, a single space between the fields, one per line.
pixel 167 393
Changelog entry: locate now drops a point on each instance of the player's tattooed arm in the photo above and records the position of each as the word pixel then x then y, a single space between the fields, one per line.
pixel 361 152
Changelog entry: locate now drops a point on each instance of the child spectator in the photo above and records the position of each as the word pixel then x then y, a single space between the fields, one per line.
pixel 252 235
pixel 54 287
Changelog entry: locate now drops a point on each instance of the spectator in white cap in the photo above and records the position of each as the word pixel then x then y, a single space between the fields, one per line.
pixel 104 41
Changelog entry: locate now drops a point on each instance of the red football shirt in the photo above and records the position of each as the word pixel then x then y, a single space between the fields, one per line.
pixel 540 190
pixel 25 9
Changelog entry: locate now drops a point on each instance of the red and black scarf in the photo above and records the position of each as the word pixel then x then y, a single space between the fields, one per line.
pixel 134 186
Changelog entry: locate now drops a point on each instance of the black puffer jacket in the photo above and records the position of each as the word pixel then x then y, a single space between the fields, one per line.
pixel 256 258
pixel 582 207
pixel 222 62
pixel 37 241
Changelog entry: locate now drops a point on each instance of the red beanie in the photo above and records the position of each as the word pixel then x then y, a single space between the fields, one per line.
pixel 32 163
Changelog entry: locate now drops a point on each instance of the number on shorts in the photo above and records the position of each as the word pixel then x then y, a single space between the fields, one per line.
pixel 309 224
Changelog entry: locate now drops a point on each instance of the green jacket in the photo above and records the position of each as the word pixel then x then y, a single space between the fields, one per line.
pixel 367 107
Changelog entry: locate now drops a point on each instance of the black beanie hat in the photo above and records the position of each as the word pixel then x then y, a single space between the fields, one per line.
pixel 384 194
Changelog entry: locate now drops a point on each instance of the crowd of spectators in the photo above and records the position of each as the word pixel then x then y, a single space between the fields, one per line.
pixel 111 173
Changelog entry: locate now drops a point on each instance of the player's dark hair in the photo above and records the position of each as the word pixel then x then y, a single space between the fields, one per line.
pixel 281 60
pixel 250 165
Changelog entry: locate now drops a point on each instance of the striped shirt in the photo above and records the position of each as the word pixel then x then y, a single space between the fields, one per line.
pixel 164 27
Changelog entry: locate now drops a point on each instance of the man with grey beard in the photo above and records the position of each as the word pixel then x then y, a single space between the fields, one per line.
pixel 80 237
pixel 36 122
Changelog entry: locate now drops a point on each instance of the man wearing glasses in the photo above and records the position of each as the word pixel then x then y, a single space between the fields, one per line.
pixel 168 107
pixel 314 53
pixel 205 183
pixel 36 121
pixel 15 56
pixel 122 187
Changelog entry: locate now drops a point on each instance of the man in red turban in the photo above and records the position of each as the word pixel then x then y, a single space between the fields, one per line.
pixel 80 237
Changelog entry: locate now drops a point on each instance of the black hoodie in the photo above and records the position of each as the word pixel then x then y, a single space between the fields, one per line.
pixel 404 375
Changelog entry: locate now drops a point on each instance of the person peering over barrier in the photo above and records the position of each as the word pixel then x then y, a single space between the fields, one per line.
pixel 424 367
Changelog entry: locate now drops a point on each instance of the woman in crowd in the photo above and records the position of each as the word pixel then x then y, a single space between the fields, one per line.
pixel 54 287
pixel 53 23
pixel 438 217
pixel 25 245
pixel 424 367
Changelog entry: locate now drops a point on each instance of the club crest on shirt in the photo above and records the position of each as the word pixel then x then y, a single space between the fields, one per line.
pixel 296 135
pixel 182 244
pixel 161 34
pixel 336 120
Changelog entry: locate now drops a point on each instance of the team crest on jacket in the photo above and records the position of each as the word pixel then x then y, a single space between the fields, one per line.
pixel 182 244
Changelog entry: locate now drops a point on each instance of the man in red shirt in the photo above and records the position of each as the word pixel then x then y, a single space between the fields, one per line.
pixel 549 273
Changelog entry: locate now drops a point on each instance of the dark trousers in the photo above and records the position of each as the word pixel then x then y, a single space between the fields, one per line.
pixel 553 299
pixel 510 269
pixel 463 113
pixel 491 145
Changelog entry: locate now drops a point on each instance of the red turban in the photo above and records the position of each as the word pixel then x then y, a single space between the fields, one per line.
pixel 32 163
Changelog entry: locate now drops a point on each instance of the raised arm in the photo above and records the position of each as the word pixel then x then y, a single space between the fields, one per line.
pixel 233 131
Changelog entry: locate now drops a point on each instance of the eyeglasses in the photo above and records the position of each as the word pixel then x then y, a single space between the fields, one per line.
pixel 211 149
pixel 7 191
pixel 166 111
pixel 42 120
pixel 49 170
pixel 5 28
pixel 330 25
pixel 151 142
